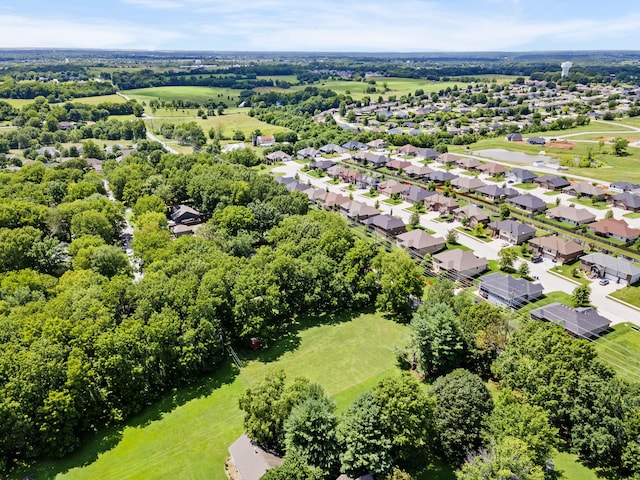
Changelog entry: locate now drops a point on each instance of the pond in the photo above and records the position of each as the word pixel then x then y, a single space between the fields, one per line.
pixel 514 157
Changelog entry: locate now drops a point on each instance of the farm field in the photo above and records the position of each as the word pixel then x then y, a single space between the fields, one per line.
pixel 188 433
pixel 196 94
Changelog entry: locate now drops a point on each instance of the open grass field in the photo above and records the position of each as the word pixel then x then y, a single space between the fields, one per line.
pixel 228 122
pixel 568 467
pixel 187 434
pixel 620 349
pixel 19 102
pixel 196 94
pixel 615 168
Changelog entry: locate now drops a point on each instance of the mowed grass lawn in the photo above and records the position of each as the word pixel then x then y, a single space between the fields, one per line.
pixel 228 122
pixel 196 94
pixel 620 349
pixel 181 438
pixel 19 102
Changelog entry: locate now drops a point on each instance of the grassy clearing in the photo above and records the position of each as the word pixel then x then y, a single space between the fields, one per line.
pixel 620 349
pixel 632 215
pixel 19 102
pixel 569 468
pixel 228 123
pixel 628 294
pixel 547 299
pixel 614 168
pixel 566 271
pixel 188 433
pixel 196 94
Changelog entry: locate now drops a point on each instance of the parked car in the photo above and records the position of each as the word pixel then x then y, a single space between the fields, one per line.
pixel 536 259
pixel 603 281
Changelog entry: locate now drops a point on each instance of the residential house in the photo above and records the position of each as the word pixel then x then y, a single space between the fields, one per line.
pixel 278 156
pixel 529 203
pixel 330 148
pixel 179 230
pixel 354 145
pixel 467 184
pixel 440 203
pixel 392 187
pixel 335 171
pixel 408 149
pixel 520 175
pixel 441 177
pixel 492 169
pixel 584 189
pixel 377 144
pixel 611 268
pixel 552 182
pixel 468 163
pixel 627 200
pixel 185 215
pixel 511 231
pixel 536 141
pixel 415 194
pixel 429 153
pixel 474 214
pixel 333 201
pixel 514 137
pixel 309 152
pixel 614 228
pixel 506 291
pixel 495 193
pixel 421 242
pixel 358 210
pixel 418 171
pixel 322 165
pixel 620 187
pixel 459 264
pixel 265 140
pixel 572 215
pixel 398 164
pixel 349 176
pixel 584 322
pixel 448 158
pixel 366 182
pixel 557 249
pixel 386 225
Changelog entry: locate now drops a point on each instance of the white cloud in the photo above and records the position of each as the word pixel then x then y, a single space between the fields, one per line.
pixel 157 4
pixel 28 32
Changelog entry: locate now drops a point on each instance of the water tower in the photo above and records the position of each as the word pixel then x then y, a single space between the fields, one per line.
pixel 565 68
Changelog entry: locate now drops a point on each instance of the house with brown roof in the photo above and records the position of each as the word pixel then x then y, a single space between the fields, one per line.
pixel 614 228
pixel 556 248
pixel 584 189
pixel 408 149
pixel 358 210
pixel 468 163
pixel 447 158
pixel 491 168
pixel 278 156
pixel 391 187
pixel 572 215
pixel 421 242
pixel 440 203
pixel 474 214
pixel 418 171
pixel 334 200
pixel 265 141
pixel 467 184
pixel 460 264
pixel 349 176
pixel 511 231
pixel 377 144
pixel 398 164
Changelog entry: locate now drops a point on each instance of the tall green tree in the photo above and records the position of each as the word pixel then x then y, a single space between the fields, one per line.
pixel 508 459
pixel 400 282
pixel 463 405
pixel 366 448
pixel 438 339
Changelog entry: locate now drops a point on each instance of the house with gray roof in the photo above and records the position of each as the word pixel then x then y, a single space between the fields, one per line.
pixel 415 194
pixel 308 152
pixel 386 225
pixel 552 182
pixel 418 171
pixel 506 291
pixel 491 168
pixel 354 145
pixel 467 184
pixel 495 193
pixel 421 242
pixel 322 165
pixel 511 231
pixel 572 215
pixel 627 200
pixel 529 203
pixel 332 148
pixel 185 215
pixel 278 156
pixel 520 175
pixel 583 322
pixel 584 189
pixel 621 186
pixel 441 177
pixel 611 268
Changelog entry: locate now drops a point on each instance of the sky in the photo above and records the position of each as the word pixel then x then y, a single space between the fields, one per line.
pixel 322 25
